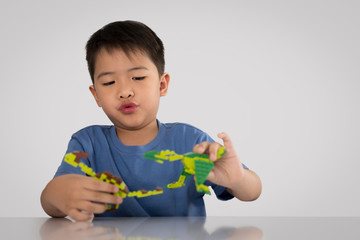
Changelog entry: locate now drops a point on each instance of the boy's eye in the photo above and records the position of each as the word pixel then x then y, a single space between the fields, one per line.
pixel 108 83
pixel 138 78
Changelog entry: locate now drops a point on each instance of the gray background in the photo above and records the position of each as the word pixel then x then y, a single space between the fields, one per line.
pixel 281 77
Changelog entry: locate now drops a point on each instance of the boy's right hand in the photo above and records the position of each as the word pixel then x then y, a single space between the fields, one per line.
pixel 78 197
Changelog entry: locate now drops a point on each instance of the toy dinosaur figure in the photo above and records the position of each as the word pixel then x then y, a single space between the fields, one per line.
pixel 195 164
pixel 74 160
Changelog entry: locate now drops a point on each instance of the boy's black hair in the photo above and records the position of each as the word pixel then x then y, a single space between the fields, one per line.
pixel 129 36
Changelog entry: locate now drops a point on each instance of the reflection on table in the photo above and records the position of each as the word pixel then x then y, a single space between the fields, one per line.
pixel 143 229
pixel 172 228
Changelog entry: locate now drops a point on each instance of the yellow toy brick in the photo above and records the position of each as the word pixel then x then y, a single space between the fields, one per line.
pixel 195 164
pixel 74 159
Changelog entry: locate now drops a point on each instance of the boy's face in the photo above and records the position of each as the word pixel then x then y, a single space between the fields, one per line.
pixel 128 88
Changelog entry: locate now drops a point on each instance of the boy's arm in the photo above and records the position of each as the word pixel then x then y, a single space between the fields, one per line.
pixel 248 188
pixel 77 196
pixel 228 171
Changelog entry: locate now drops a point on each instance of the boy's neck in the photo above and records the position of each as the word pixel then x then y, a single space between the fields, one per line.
pixel 138 137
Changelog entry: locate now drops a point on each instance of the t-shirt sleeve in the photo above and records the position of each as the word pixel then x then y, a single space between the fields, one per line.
pixel 65 168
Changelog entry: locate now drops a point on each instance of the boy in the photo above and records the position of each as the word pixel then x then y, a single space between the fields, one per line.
pixel 126 65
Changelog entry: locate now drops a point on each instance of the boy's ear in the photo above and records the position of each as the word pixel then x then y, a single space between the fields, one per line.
pixel 93 92
pixel 164 84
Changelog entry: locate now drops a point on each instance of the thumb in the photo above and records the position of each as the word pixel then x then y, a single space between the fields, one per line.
pixel 211 176
pixel 227 141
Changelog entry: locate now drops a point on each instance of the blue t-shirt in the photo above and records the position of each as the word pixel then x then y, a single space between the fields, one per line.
pixel 108 153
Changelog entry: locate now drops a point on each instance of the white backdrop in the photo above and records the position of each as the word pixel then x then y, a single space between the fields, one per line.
pixel 281 77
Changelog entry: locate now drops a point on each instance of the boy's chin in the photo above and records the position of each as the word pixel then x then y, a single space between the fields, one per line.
pixel 133 125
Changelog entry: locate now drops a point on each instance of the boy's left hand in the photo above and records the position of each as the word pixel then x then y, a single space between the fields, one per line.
pixel 228 170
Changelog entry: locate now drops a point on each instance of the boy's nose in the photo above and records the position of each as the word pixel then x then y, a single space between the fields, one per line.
pixel 125 90
pixel 126 93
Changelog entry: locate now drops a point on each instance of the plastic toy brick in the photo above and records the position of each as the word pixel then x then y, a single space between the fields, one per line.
pixel 74 159
pixel 195 164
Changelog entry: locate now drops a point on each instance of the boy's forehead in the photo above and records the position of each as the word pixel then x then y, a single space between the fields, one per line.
pixel 132 54
pixel 107 59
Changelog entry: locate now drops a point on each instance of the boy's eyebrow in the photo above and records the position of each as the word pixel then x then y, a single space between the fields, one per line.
pixel 104 74
pixel 137 68
pixel 130 70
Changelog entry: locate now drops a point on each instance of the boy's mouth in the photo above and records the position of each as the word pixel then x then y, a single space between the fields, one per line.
pixel 128 107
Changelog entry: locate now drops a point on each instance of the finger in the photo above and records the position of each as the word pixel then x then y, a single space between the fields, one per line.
pixel 100 186
pixel 201 147
pixel 79 215
pixel 93 207
pixel 227 141
pixel 102 197
pixel 213 149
